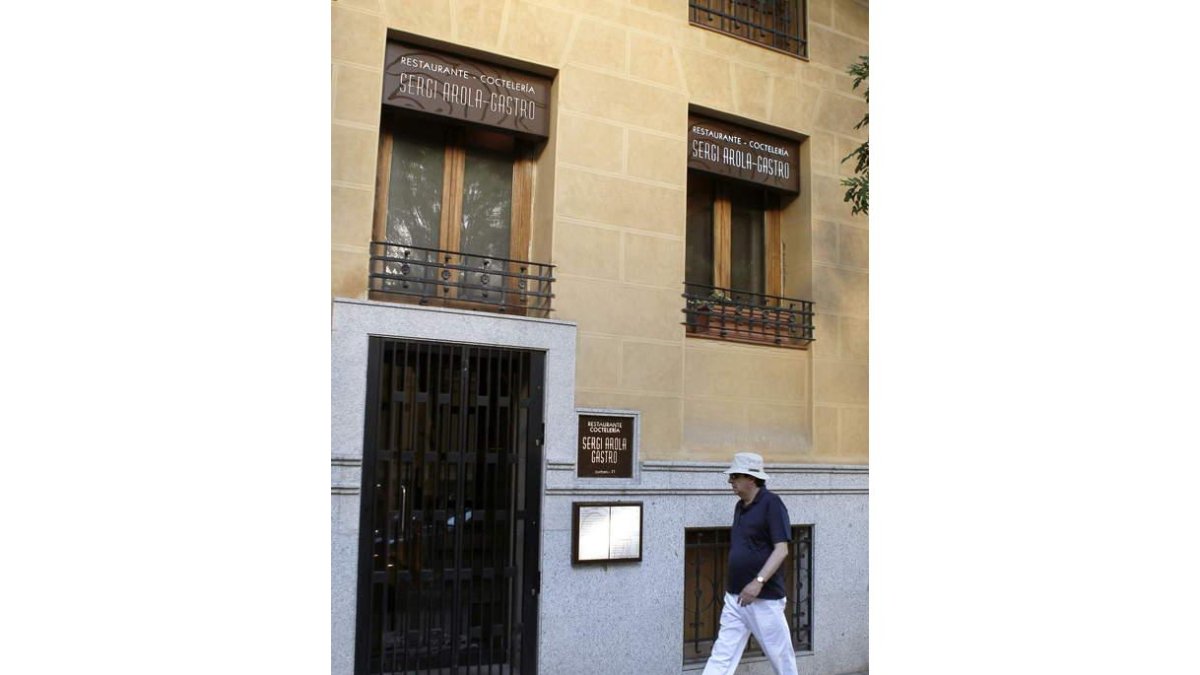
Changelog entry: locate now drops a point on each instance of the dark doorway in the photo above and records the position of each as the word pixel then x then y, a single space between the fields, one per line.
pixel 448 558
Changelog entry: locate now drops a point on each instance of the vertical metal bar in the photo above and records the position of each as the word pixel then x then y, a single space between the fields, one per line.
pixel 801 586
pixel 431 374
pixel 438 434
pixel 533 492
pixel 403 445
pixel 421 469
pixel 716 548
pixel 487 557
pixel 514 588
pixel 505 465
pixel 457 445
pixel 484 498
pixel 420 433
pixel 383 501
pixel 469 420
pixel 811 611
pixel 390 537
pixel 495 448
pixel 698 554
pixel 484 506
pixel 804 556
pixel 457 366
pixel 379 505
pixel 509 558
pixel 491 497
pixel 478 441
pixel 479 429
pixel 481 438
pixel 412 608
pixel 499 600
pixel 501 495
pixel 366 525
pixel 479 540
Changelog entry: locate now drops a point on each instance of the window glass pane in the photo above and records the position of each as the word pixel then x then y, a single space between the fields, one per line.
pixel 698 267
pixel 747 241
pixel 486 223
pixel 414 211
pixel 415 190
pixel 487 203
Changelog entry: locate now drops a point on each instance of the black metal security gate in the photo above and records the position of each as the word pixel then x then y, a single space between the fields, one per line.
pixel 448 559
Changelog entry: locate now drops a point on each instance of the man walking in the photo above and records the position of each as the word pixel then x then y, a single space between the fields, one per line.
pixel 755 596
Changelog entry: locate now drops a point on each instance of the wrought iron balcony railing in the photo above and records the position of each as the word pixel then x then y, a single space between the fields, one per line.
pixel 775 24
pixel 453 278
pixel 739 316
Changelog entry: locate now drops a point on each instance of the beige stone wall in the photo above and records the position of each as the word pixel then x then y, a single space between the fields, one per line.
pixel 610 206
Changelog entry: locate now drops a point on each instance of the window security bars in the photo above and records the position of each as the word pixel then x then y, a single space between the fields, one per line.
pixel 439 277
pixel 777 24
pixel 706 552
pixel 739 316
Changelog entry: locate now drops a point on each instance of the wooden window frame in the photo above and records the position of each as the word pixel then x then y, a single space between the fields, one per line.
pixel 723 236
pixel 455 141
pixel 729 314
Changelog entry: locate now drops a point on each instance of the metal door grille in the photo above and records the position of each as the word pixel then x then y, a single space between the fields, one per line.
pixel 451 492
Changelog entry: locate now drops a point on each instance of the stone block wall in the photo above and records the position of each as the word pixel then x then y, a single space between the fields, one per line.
pixel 610 201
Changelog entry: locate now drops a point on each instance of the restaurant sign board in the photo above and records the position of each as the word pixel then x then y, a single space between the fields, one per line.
pixel 605 446
pixel 430 81
pixel 740 152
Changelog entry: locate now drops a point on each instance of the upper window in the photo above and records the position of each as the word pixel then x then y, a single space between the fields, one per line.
pixel 739 178
pixel 449 189
pixel 777 24
pixel 452 216
pixel 730 228
pixel 733 266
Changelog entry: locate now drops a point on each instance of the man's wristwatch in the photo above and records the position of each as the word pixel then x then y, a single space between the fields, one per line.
pixel 760 580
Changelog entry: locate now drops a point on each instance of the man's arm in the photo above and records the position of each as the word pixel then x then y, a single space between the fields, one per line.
pixel 752 589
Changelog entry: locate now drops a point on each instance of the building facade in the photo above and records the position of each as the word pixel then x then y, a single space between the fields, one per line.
pixel 583 251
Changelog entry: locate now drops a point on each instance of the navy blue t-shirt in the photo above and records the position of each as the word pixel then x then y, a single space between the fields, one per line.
pixel 756 530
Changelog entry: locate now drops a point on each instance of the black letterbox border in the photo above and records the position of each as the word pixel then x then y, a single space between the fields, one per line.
pixel 575 506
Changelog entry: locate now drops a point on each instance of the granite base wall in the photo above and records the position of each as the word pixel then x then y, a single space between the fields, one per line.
pixel 590 616
pixel 354 322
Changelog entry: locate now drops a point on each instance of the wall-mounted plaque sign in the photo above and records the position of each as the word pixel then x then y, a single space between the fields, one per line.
pixel 746 154
pixel 605 446
pixel 415 78
pixel 606 532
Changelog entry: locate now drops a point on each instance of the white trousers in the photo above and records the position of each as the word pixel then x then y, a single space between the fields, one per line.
pixel 763 618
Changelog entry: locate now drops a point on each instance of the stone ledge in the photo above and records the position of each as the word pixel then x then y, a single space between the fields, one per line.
pixel 448 310
pixel 720 492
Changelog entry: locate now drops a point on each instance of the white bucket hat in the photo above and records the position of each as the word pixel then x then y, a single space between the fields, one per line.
pixel 749 463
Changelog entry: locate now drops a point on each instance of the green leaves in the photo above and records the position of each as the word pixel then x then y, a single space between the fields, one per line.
pixel 861 153
pixel 857 193
pixel 857 187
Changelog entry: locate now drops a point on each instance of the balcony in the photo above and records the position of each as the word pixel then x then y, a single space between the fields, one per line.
pixel 753 318
pixel 780 25
pixel 434 277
